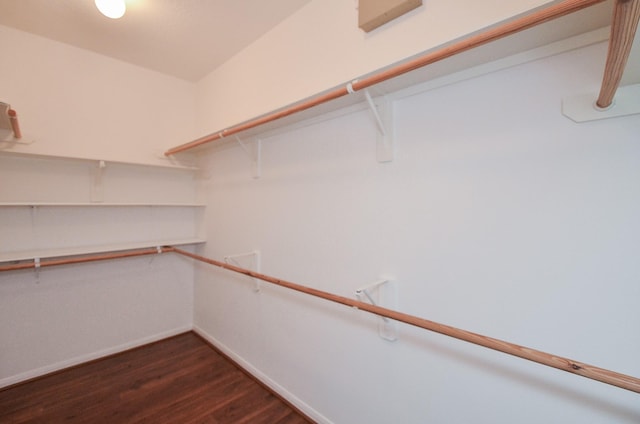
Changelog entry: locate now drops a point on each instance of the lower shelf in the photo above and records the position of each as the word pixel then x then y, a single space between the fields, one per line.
pixel 85 250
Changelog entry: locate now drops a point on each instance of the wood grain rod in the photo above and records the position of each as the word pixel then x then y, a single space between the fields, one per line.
pixel 519 24
pixel 15 126
pixel 626 14
pixel 270 117
pixel 86 258
pixel 589 371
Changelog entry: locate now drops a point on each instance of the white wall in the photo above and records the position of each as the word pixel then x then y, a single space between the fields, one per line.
pixel 321 46
pixel 62 316
pixel 58 317
pixel 499 216
pixel 80 104
pixel 77 103
pixel 502 218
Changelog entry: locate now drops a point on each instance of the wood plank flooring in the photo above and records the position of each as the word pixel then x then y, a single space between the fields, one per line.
pixel 178 380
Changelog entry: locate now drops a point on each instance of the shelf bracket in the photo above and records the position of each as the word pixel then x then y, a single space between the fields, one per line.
pixel 255 265
pixel 383 117
pixel 36 267
pixel 97 192
pixel 255 155
pixel 382 292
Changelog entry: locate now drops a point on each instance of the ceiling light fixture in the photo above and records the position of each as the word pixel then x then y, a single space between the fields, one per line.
pixel 113 9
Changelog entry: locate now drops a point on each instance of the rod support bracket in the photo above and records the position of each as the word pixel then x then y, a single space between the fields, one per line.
pixel 255 264
pixel 382 112
pixel 254 152
pixel 36 268
pixel 97 188
pixel 382 292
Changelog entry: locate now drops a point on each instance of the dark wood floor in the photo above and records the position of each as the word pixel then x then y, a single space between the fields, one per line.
pixel 178 380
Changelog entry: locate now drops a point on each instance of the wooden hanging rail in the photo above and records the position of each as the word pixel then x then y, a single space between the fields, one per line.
pixel 11 120
pixel 626 14
pixel 589 371
pixel 15 126
pixel 85 258
pixel 546 14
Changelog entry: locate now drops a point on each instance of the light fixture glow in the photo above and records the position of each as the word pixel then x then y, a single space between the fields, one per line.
pixel 113 9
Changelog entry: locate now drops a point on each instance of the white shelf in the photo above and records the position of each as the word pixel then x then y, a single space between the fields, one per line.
pixel 98 204
pixel 87 250
pixel 58 208
pixel 168 165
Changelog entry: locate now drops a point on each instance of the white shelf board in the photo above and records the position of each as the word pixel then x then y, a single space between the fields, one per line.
pixel 87 250
pixel 98 204
pixel 499 54
pixel 168 165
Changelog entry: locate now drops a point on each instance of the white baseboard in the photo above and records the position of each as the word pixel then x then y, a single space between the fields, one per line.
pixel 38 372
pixel 290 397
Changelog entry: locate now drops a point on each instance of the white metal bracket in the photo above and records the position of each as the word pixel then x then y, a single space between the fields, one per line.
pixel 383 292
pixel 582 108
pixel 383 116
pixel 34 215
pixel 97 192
pixel 255 264
pixel 36 266
pixel 255 155
pixel 158 253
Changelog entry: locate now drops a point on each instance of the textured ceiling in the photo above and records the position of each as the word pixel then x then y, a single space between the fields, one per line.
pixel 184 38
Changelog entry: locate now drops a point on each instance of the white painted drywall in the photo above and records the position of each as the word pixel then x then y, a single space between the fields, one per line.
pixel 80 104
pixel 63 316
pixel 73 102
pixel 321 46
pixel 499 216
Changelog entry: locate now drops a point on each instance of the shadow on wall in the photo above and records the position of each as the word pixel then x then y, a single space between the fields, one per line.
pixel 614 410
pixel 497 368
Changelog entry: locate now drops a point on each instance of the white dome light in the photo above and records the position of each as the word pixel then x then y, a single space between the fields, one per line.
pixel 113 9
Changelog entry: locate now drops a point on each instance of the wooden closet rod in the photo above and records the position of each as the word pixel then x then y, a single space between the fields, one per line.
pixel 520 24
pixel 589 371
pixel 15 126
pixel 626 14
pixel 564 364
pixel 86 258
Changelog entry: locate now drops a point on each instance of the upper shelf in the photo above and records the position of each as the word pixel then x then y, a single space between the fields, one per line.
pixel 42 180
pixel 542 26
pixel 171 164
